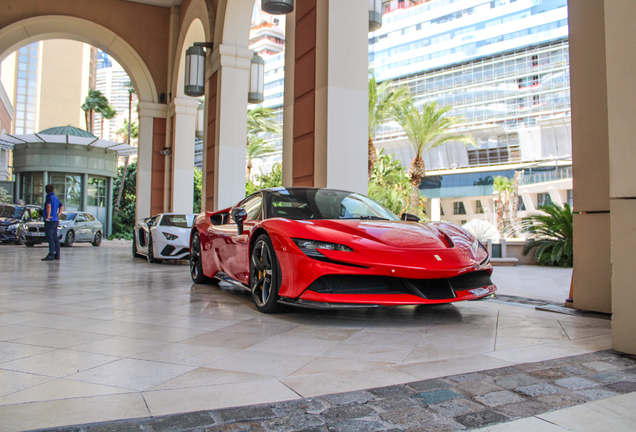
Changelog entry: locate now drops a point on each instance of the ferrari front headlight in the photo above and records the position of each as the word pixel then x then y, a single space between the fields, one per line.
pixel 170 236
pixel 309 247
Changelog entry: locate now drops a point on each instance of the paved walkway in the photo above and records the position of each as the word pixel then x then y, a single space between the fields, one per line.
pixel 100 336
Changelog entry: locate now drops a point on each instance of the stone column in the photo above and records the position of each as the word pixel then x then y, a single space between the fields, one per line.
pixel 227 70
pixel 84 200
pixel 603 62
pixel 182 172
pixel 108 229
pixel 148 114
pixel 17 188
pixel 45 181
pixel 590 157
pixel 331 94
pixel 620 43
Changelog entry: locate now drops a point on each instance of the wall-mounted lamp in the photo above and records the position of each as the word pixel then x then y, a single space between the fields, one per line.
pixel 277 7
pixel 257 80
pixel 195 69
pixel 166 151
pixel 375 15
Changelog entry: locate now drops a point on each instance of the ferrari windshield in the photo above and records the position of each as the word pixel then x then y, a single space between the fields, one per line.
pixel 325 204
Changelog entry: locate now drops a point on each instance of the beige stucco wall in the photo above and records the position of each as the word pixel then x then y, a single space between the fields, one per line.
pixel 62 84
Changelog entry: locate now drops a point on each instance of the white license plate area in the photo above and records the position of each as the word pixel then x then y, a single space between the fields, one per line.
pixel 37 234
pixel 478 291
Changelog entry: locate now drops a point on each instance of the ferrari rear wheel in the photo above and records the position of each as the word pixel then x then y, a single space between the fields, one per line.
pixel 196 269
pixel 265 276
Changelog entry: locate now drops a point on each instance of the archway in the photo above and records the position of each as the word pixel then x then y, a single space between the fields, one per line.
pixel 29 30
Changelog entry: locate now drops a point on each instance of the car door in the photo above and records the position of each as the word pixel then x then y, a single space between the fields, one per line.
pixel 92 226
pixel 235 248
pixel 81 227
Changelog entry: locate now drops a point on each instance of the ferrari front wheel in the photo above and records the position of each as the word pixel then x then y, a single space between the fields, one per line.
pixel 265 276
pixel 196 268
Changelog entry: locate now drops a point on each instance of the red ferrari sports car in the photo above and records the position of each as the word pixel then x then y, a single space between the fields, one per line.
pixel 326 248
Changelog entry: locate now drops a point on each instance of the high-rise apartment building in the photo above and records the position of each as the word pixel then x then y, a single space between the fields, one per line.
pixel 503 67
pixel 47 83
pixel 111 79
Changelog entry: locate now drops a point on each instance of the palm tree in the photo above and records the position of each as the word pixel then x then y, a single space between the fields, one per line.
pixel 256 148
pixel 426 130
pixel 382 103
pixel 261 119
pixel 107 112
pixel 94 101
pixel 552 235
pixel 504 187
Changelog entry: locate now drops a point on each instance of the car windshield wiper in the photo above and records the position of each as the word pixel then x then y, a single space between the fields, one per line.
pixel 372 218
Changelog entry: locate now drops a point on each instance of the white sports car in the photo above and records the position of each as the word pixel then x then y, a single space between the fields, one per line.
pixel 164 236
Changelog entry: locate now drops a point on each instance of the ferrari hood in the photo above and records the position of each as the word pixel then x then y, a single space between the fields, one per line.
pixel 394 234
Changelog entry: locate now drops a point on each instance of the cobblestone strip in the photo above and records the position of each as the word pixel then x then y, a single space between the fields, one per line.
pixel 453 403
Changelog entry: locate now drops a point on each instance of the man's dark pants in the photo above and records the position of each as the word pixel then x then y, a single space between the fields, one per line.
pixel 50 228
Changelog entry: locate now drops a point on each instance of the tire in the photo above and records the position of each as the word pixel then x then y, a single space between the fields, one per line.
pixel 98 239
pixel 134 248
pixel 29 244
pixel 196 268
pixel 70 239
pixel 151 252
pixel 265 276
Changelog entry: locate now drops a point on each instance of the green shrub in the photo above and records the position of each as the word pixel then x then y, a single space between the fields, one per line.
pixel 551 235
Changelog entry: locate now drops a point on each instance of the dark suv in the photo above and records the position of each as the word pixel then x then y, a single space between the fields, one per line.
pixel 12 220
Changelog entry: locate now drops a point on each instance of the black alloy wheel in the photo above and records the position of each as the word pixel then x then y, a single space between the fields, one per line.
pixel 98 239
pixel 70 238
pixel 265 276
pixel 196 268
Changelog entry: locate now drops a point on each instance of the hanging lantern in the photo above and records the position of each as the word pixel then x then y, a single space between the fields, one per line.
pixel 257 80
pixel 195 71
pixel 277 7
pixel 375 15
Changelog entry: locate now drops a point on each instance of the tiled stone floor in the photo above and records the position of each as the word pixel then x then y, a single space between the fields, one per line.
pixel 100 336
pixel 513 395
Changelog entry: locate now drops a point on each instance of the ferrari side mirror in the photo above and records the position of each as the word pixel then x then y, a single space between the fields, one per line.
pixel 239 215
pixel 409 217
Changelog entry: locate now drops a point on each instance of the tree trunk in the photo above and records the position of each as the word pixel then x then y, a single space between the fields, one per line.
pixel 121 186
pixel 373 157
pixel 88 129
pixel 515 205
pixel 416 172
pixel 101 128
pixel 249 169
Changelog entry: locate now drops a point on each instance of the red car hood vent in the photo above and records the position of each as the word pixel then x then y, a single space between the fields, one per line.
pixel 391 233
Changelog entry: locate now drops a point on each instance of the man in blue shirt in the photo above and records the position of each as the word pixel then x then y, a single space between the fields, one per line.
pixel 52 209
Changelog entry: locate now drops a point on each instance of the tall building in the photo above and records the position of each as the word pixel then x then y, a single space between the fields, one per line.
pixel 6 118
pixel 503 66
pixel 111 79
pixel 47 83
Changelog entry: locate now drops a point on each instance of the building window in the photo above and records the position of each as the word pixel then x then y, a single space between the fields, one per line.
pixel 32 188
pixel 543 199
pixel 570 198
pixel 458 208
pixel 68 188
pixel 96 192
pixel 479 209
pixel 522 205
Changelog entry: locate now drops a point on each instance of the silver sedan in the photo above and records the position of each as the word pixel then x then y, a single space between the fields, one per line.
pixel 74 227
